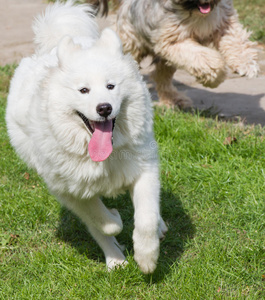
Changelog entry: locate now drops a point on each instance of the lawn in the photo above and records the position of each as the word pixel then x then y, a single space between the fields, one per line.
pixel 212 194
pixel 252 15
pixel 213 200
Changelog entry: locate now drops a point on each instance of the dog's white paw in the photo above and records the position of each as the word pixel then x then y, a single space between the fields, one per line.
pixel 147 259
pixel 115 226
pixel 113 263
pixel 146 252
pixel 114 254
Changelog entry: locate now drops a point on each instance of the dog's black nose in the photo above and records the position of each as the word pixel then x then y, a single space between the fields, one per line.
pixel 104 109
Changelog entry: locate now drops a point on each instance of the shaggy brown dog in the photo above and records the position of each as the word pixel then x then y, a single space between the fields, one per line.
pixel 199 36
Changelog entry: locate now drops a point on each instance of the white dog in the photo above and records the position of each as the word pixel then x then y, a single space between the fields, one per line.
pixel 79 113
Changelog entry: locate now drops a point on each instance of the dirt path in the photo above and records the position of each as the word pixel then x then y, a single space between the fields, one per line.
pixel 16 35
pixel 236 97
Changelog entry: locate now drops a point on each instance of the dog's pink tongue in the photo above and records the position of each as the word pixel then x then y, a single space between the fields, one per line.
pixel 100 145
pixel 205 8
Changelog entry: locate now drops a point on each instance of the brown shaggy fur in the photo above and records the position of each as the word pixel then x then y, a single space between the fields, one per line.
pixel 199 36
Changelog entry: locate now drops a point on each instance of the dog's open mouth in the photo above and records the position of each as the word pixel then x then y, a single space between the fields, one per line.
pixel 100 145
pixel 204 8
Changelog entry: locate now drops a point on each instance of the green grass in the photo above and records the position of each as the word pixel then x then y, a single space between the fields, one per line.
pixel 213 196
pixel 252 15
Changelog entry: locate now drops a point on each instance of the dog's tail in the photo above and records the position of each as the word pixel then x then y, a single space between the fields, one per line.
pixel 61 19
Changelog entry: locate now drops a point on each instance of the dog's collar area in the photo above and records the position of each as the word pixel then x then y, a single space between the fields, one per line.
pixel 91 124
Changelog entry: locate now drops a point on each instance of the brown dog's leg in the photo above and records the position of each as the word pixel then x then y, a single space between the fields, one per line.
pixel 167 92
pixel 238 51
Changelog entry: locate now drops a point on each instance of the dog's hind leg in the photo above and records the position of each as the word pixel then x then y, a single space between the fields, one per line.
pixel 93 211
pixel 111 248
pixel 167 92
pixel 102 224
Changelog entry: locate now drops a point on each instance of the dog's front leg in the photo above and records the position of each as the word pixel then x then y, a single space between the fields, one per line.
pixel 238 51
pixel 145 196
pixel 206 64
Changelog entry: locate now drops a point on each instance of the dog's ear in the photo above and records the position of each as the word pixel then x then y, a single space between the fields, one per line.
pixel 65 50
pixel 110 41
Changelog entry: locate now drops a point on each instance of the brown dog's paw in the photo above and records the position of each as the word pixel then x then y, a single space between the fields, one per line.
pixel 175 99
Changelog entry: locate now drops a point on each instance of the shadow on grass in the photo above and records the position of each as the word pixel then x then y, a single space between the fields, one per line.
pixel 180 230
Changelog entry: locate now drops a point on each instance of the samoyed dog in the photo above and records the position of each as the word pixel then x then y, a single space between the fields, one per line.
pixel 80 114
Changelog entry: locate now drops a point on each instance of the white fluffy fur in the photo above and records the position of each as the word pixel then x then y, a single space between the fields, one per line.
pixel 47 133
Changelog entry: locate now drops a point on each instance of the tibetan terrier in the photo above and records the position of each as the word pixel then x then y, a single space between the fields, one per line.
pixel 199 36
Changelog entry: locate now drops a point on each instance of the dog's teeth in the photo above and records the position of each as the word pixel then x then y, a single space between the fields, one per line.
pixel 92 124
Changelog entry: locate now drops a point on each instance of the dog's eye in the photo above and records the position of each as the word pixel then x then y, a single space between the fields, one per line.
pixel 110 86
pixel 84 91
